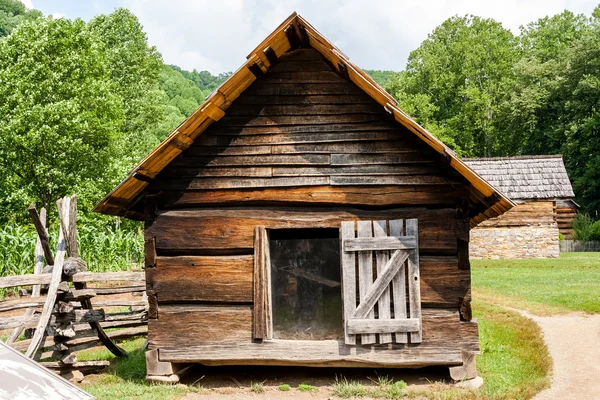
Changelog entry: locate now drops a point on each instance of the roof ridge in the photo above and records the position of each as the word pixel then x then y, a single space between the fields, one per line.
pixel 294 32
pixel 523 157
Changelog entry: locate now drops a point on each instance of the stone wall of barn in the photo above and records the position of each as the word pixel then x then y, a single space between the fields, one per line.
pixel 527 231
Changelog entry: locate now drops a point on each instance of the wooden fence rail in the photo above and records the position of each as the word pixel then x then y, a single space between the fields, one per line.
pixel 579 245
pixel 62 314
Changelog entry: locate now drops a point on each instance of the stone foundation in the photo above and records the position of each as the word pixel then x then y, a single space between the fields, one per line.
pixel 514 242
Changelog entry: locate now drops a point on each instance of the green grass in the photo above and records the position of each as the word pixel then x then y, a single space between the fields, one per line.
pixel 285 387
pixel 346 389
pixel 515 362
pixel 126 377
pixel 514 365
pixel 542 286
pixel 305 387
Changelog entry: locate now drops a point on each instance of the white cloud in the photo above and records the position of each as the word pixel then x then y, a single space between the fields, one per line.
pixel 57 15
pixel 28 4
pixel 377 34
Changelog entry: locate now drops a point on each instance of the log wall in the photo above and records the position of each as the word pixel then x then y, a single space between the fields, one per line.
pixel 301 148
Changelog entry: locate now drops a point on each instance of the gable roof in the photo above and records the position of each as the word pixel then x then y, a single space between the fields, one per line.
pixel 294 32
pixel 525 177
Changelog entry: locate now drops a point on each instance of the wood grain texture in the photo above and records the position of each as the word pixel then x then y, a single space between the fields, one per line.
pixel 181 326
pixel 365 275
pixel 399 285
pixel 348 263
pixel 323 195
pixel 381 258
pixel 233 228
pixel 413 277
pixel 202 279
pixel 444 339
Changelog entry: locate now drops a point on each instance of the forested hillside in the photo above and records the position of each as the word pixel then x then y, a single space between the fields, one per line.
pixel 82 102
pixel 486 92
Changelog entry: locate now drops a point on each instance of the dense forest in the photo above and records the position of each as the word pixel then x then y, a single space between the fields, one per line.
pixel 82 102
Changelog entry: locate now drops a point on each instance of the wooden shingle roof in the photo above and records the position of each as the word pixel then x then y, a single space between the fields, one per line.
pixel 525 177
pixel 294 32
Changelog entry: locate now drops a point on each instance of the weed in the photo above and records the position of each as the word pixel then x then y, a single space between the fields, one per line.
pixel 285 387
pixel 258 387
pixel 305 387
pixel 345 389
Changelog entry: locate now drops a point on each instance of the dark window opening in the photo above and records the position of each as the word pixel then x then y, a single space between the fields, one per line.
pixel 305 284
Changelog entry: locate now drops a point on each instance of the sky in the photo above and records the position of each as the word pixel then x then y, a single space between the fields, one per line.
pixel 376 34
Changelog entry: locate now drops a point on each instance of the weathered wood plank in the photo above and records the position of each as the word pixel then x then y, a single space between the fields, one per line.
pixel 304 77
pixel 382 258
pixel 333 127
pixel 39 221
pixel 297 120
pixel 22 303
pixel 325 195
pixel 237 161
pixel 365 275
pixel 241 183
pixel 310 138
pixel 414 280
pixel 261 243
pixel 375 159
pixel 374 291
pixel 61 250
pixel 109 276
pixel 243 172
pixel 302 89
pixel 355 170
pixel 24 280
pixel 348 261
pixel 202 278
pixel 399 284
pixel 304 109
pixel 444 339
pixel 304 100
pixel 410 180
pixel 383 326
pixel 40 250
pixel 233 228
pixel 227 150
pixel 380 243
pixel 188 325
pixel 396 146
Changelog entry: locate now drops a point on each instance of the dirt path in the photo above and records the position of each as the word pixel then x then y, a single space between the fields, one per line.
pixel 574 344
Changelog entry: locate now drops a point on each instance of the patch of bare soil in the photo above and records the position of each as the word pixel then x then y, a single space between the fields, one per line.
pixel 224 383
pixel 574 344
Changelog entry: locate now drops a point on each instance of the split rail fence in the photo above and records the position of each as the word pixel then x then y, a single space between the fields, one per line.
pixel 67 309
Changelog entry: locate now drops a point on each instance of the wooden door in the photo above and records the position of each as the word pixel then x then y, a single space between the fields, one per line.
pixel 383 257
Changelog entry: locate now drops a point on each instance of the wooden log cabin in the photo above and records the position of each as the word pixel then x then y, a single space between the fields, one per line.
pixel 540 187
pixel 299 217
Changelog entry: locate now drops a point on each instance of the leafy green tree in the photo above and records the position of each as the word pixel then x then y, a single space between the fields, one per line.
pixel 381 77
pixel 457 78
pixel 58 112
pixel 134 68
pixel 12 13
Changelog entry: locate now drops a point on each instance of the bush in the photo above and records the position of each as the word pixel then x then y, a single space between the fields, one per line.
pixel 595 231
pixel 582 225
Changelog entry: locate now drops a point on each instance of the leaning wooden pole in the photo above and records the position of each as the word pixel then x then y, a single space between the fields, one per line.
pixel 39 266
pixel 57 271
pixel 69 228
pixel 40 226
